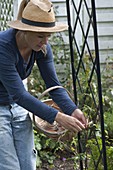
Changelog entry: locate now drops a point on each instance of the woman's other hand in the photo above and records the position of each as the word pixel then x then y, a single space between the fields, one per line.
pixel 78 114
pixel 74 123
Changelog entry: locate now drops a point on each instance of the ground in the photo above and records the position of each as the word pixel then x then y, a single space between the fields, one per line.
pixel 58 165
pixel 65 162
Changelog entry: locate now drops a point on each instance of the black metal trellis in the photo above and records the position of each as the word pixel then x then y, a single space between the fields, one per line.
pixel 94 72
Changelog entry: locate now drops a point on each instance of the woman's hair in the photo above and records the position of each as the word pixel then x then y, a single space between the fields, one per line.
pixel 21 8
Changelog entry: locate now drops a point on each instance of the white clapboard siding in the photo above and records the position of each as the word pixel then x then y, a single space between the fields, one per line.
pixel 61 16
pixel 101 3
pixel 104 14
pixel 60 10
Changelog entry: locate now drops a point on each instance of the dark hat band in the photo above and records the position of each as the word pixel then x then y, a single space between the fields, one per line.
pixel 38 24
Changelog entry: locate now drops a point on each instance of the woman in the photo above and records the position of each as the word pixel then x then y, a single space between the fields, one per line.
pixel 20 46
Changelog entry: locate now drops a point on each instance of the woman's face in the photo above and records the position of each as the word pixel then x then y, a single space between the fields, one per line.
pixel 35 40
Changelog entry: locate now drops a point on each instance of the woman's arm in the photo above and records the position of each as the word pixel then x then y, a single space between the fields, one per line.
pixel 48 72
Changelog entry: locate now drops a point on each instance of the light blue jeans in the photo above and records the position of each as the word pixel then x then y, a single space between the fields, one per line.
pixel 16 139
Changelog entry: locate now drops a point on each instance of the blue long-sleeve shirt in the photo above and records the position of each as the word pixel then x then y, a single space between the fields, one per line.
pixel 13 69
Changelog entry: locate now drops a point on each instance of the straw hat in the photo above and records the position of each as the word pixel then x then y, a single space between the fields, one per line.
pixel 38 16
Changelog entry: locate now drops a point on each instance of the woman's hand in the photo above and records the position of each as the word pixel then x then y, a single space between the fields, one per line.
pixel 78 114
pixel 75 123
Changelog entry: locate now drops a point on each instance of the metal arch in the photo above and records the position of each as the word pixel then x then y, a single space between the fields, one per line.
pixel 95 67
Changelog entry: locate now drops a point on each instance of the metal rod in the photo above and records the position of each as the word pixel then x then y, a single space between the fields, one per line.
pixel 74 76
pixel 71 49
pixel 99 83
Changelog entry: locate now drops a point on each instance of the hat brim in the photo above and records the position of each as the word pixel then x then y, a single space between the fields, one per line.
pixel 24 27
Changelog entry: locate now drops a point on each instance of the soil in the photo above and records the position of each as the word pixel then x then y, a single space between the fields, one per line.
pixel 58 165
pixel 65 162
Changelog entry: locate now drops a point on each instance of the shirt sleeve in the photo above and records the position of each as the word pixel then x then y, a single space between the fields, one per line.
pixel 48 73
pixel 13 84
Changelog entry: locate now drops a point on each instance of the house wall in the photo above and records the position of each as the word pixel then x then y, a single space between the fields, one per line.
pixel 104 13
